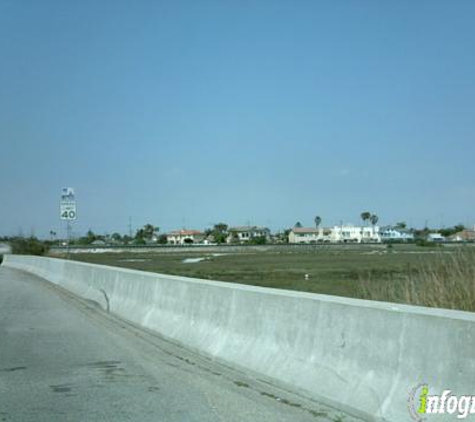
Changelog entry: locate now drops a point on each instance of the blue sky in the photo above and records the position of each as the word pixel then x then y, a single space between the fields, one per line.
pixel 187 113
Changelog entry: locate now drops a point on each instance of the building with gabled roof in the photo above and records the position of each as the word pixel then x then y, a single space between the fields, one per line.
pixel 335 234
pixel 309 235
pixel 185 237
pixel 243 234
pixel 396 234
pixel 463 236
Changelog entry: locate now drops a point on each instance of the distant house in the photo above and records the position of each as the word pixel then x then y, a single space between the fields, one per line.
pixel 395 234
pixel 435 237
pixel 185 237
pixel 209 240
pixel 355 234
pixel 155 236
pixel 243 234
pixel 336 234
pixel 98 242
pixel 463 236
pixel 309 235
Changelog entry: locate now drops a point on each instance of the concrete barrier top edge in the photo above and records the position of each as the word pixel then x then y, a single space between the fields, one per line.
pixel 378 305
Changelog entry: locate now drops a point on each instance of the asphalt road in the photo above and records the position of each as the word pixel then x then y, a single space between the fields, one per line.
pixel 64 359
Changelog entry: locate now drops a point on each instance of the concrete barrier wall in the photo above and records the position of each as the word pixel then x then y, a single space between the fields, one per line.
pixel 5 248
pixel 360 356
pixel 222 248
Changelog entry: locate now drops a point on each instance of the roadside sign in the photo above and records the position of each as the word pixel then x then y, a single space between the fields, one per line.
pixel 67 194
pixel 68 204
pixel 68 210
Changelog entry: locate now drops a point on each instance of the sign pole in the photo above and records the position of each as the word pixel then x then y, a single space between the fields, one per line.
pixel 68 229
pixel 68 212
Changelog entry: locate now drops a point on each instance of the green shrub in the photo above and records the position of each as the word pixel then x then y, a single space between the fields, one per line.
pixel 427 243
pixel 259 240
pixel 28 246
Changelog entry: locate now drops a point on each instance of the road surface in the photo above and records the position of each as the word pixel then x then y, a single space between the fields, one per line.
pixel 65 359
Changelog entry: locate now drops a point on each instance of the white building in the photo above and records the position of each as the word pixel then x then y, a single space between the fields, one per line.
pixel 336 234
pixel 435 237
pixel 185 237
pixel 395 234
pixel 355 234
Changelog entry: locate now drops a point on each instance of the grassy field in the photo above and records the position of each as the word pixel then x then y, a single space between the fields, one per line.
pixel 373 273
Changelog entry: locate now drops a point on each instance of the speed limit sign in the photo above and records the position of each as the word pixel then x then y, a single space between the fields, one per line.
pixel 68 210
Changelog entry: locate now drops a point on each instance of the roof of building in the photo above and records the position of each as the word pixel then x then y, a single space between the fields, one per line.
pixel 305 230
pixel 247 228
pixel 464 234
pixel 185 233
pixel 395 228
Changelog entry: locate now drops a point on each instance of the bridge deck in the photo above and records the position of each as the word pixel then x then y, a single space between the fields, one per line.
pixel 63 359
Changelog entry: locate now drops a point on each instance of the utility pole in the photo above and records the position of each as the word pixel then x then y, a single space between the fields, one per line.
pixel 68 212
pixel 68 230
pixel 130 226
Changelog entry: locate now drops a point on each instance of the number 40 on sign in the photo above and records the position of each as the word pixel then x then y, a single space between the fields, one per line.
pixel 68 210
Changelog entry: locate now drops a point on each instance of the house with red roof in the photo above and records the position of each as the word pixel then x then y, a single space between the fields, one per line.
pixel 185 237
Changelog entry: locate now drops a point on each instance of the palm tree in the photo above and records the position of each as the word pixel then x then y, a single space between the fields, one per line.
pixel 318 221
pixel 365 216
pixel 401 225
pixel 149 229
pixel 374 219
pixel 298 225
